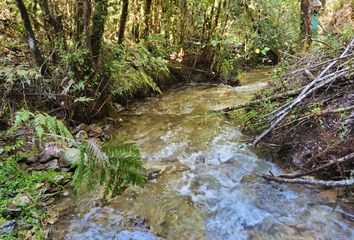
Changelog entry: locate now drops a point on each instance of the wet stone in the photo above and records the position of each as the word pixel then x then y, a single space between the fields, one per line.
pixel 12 211
pixel 7 228
pixel 153 174
pixel 248 178
pixel 44 158
pixel 140 222
pixel 70 155
pixel 200 159
pixel 94 131
pixel 81 127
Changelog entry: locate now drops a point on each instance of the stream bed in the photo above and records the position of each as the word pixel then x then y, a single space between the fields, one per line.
pixel 207 185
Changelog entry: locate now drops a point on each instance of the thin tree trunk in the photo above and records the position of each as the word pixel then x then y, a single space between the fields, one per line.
pixel 98 22
pixel 123 20
pixel 147 17
pixel 87 9
pixel 306 18
pixel 79 19
pixel 50 18
pixel 32 42
pixel 345 159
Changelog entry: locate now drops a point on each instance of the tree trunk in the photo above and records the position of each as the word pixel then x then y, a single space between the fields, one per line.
pixel 32 42
pixel 79 19
pixel 50 18
pixel 87 9
pixel 147 17
pixel 123 20
pixel 98 22
pixel 306 18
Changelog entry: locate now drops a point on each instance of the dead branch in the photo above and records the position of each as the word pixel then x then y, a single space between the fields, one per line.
pixel 316 65
pixel 320 81
pixel 347 182
pixel 258 101
pixel 345 159
pixel 287 110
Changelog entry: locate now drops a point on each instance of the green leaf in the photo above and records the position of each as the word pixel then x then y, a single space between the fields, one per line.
pixel 83 99
pixel 265 50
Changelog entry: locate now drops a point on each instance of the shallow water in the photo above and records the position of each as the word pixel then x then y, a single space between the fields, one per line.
pixel 209 186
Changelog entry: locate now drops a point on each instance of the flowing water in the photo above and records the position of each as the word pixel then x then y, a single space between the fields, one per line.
pixel 208 187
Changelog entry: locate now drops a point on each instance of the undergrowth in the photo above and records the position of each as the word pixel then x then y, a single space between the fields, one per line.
pixel 17 184
pixel 112 166
pixel 117 166
pixel 134 68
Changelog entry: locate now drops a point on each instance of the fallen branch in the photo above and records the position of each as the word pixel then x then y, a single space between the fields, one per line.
pixel 302 96
pixel 316 65
pixel 320 81
pixel 310 115
pixel 343 109
pixel 258 101
pixel 345 159
pixel 348 182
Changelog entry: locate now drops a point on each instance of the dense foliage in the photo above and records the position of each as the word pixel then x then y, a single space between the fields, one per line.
pixel 117 165
pixel 91 53
pixel 73 59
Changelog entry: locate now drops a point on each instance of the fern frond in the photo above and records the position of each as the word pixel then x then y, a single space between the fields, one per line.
pixel 22 117
pixel 115 167
pixel 51 124
pixel 39 123
pixel 95 151
pixel 64 131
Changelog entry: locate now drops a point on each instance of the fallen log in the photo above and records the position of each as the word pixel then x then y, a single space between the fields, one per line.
pixel 324 183
pixel 258 101
pixel 345 159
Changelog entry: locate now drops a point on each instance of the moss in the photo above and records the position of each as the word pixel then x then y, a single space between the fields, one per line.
pixel 17 182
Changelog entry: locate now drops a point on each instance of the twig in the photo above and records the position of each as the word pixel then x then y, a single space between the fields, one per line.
pixel 345 159
pixel 316 65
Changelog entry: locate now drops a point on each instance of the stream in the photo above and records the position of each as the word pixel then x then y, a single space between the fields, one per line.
pixel 208 186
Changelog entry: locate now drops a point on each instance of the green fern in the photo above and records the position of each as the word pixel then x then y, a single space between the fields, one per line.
pixel 22 117
pixel 137 69
pixel 114 167
pixel 39 123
